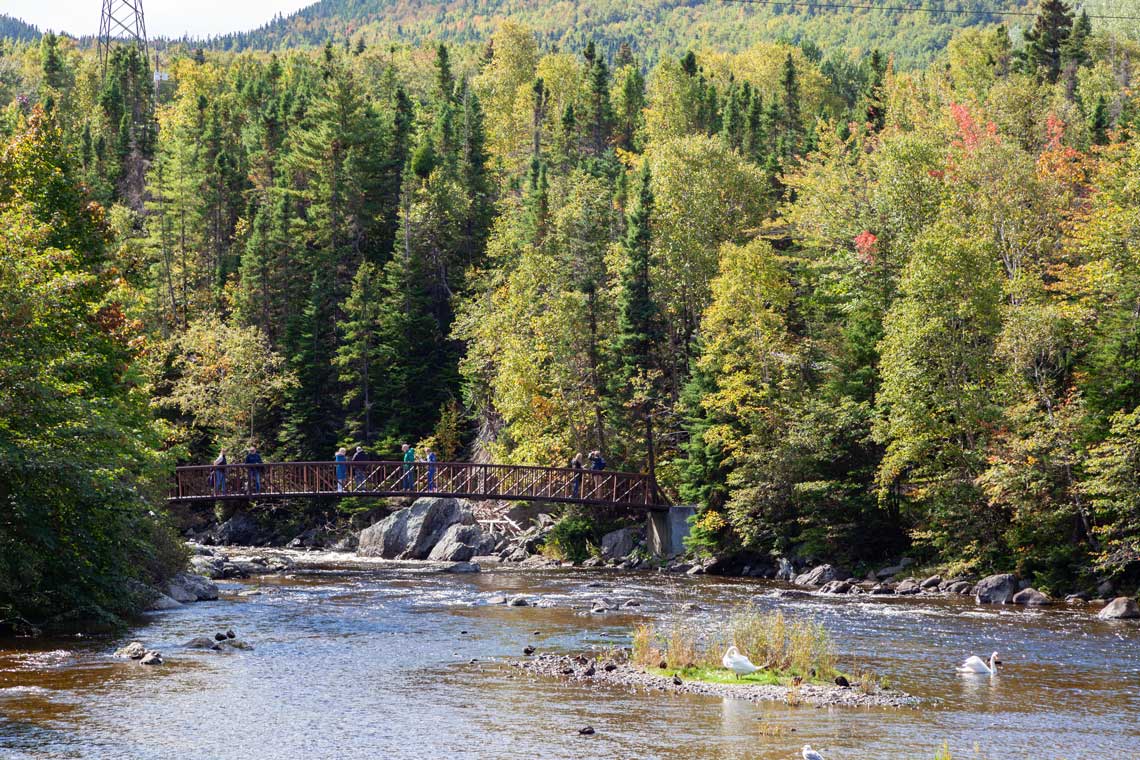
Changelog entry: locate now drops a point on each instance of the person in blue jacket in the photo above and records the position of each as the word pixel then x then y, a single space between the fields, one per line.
pixel 254 459
pixel 341 468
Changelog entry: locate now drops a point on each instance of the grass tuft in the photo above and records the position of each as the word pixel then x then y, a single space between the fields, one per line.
pixel 783 648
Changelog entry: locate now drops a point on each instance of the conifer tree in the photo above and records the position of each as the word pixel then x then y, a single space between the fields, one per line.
pixel 1075 51
pixel 1100 122
pixel 790 91
pixel 1048 37
pixel 638 330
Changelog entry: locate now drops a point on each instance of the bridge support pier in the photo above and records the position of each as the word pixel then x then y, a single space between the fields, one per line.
pixel 665 530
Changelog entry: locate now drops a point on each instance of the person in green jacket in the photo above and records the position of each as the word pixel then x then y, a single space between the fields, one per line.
pixel 409 473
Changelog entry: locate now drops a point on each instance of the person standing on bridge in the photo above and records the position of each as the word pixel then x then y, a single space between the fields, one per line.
pixel 341 460
pixel 218 474
pixel 253 459
pixel 358 467
pixel 409 467
pixel 431 459
pixel 576 482
pixel 596 461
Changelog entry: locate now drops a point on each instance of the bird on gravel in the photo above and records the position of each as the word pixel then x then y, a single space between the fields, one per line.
pixel 811 754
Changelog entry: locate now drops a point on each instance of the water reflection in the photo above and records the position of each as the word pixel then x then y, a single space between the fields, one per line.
pixel 381 660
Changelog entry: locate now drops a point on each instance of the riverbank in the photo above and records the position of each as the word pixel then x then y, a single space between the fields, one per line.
pixel 610 671
pixel 366 637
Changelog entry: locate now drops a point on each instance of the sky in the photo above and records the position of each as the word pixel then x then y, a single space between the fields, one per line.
pixel 165 18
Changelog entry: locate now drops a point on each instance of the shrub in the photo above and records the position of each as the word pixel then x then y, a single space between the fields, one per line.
pixel 570 540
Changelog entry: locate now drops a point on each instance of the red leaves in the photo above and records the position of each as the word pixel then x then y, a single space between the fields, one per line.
pixel 866 246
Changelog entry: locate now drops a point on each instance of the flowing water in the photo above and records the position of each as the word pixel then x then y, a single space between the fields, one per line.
pixel 379 660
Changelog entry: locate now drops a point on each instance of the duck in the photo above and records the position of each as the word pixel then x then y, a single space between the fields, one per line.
pixel 811 754
pixel 738 663
pixel 976 664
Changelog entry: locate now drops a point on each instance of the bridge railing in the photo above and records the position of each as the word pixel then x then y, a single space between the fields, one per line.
pixel 375 479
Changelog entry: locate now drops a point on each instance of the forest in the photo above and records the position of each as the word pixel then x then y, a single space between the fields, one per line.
pixel 657 28
pixel 848 309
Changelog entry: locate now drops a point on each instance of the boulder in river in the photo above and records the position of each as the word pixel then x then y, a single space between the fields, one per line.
pixel 189 587
pixel 1031 597
pixel 460 542
pixel 818 576
pixel 202 642
pixel 931 583
pixel 836 587
pixel 910 586
pixel 518 601
pixel 163 602
pixel 151 658
pixel 462 567
pixel 413 532
pixel 1120 608
pixel 617 545
pixel 241 530
pixel 996 589
pixel 962 588
pixel 133 651
pixel 211 567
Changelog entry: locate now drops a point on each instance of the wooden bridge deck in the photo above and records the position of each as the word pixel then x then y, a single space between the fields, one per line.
pixel 277 480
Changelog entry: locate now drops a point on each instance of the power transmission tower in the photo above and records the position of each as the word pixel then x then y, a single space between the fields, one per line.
pixel 122 19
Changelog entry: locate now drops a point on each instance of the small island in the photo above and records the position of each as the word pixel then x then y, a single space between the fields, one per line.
pixel 795 663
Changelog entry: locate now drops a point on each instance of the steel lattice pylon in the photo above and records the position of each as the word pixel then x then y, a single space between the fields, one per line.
pixel 122 19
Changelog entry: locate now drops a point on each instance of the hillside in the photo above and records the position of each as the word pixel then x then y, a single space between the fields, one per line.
pixel 14 29
pixel 651 27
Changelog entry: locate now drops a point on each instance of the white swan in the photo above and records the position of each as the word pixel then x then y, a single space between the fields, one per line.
pixel 738 663
pixel 811 754
pixel 976 664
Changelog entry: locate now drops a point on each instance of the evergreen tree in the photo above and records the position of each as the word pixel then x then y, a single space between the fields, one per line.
pixel 1048 37
pixel 1075 51
pixel 790 112
pixel 638 332
pixel 1100 122
pixel 51 61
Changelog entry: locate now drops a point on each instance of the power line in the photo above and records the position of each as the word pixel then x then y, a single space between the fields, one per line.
pixel 912 9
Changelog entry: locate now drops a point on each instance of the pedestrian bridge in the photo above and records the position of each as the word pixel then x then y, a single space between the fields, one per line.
pixel 281 480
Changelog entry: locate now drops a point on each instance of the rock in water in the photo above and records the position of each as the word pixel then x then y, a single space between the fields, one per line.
pixel 133 651
pixel 462 567
pixel 617 544
pixel 519 601
pixel 230 634
pixel 1120 608
pixel 201 642
pixel 219 637
pixel 818 576
pixel 151 658
pixel 587 731
pixel 1031 597
pixel 996 589
pixel 459 543
pixel 188 587
pixel 413 532
pixel 163 602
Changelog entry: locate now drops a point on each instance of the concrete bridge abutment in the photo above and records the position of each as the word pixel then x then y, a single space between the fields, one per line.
pixel 666 529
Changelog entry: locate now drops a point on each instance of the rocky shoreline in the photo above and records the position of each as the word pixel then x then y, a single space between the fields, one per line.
pixel 609 673
pixel 445 530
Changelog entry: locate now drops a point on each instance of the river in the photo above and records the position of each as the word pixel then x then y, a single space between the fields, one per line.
pixel 356 659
